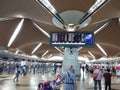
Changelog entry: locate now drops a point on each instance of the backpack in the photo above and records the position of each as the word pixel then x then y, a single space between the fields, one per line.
pixel 95 75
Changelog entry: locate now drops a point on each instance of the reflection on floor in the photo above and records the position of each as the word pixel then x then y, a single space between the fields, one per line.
pixel 30 81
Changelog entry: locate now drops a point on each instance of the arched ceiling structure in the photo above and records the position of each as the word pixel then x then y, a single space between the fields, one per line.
pixel 12 12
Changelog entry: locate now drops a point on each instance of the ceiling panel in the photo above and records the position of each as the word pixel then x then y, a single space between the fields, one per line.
pixel 11 13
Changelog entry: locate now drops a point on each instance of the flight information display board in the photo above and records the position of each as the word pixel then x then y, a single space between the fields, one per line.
pixel 72 39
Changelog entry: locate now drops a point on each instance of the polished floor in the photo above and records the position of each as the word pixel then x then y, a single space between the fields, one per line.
pixel 30 81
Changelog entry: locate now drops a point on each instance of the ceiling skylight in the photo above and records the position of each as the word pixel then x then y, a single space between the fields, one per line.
pixel 48 6
pixel 16 32
pixel 36 48
pixel 98 4
pixel 102 50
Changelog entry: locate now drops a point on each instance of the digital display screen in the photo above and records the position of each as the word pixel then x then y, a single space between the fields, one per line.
pixel 72 39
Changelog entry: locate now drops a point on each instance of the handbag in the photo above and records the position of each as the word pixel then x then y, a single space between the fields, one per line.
pixel 95 75
pixel 70 79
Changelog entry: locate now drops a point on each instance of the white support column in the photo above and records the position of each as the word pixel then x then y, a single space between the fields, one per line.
pixel 71 58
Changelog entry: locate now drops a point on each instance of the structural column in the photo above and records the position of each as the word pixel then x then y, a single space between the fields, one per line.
pixel 71 58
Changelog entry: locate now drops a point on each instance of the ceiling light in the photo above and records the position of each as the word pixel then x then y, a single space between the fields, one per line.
pixel 79 48
pixel 91 54
pixel 45 53
pixel 49 56
pixel 17 52
pixel 14 35
pixel 48 6
pixel 41 30
pixel 98 4
pixel 102 50
pixel 86 57
pixel 102 27
pixel 4 19
pixel 58 50
pixel 71 27
pixel 36 48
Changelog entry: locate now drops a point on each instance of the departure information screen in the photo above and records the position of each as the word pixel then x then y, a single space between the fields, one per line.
pixel 72 39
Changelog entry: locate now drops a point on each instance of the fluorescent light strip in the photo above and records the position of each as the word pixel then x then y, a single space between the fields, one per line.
pixel 49 56
pixel 14 35
pixel 102 50
pixel 91 54
pixel 41 30
pixel 45 53
pixel 6 19
pixel 98 4
pixel 36 48
pixel 102 27
pixel 86 57
pixel 48 6
pixel 79 48
pixel 58 50
pixel 17 52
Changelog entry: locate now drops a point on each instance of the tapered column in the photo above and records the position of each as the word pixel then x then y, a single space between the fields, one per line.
pixel 70 58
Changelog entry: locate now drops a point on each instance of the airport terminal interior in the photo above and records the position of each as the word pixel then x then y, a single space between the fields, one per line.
pixel 41 39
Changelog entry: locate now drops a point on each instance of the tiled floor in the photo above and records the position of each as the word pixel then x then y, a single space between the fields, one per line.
pixel 30 81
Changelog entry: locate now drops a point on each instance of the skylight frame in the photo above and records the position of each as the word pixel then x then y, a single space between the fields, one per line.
pixel 92 10
pixel 48 6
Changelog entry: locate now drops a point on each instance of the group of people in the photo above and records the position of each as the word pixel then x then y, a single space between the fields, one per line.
pixel 70 80
pixel 97 76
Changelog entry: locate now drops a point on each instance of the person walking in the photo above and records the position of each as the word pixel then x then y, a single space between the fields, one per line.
pixel 97 79
pixel 69 80
pixel 107 76
pixel 17 72
pixel 55 68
